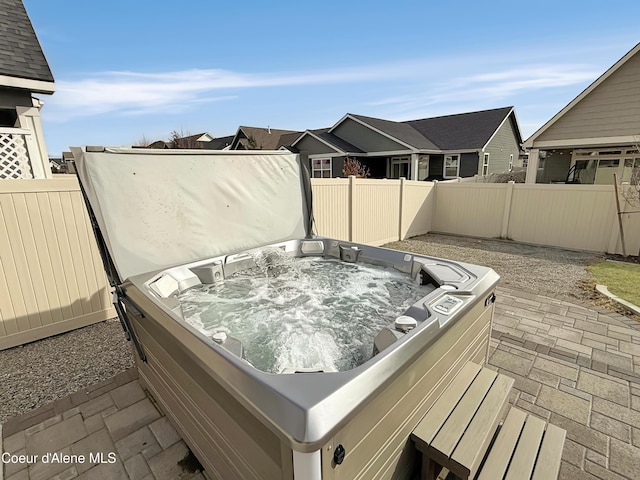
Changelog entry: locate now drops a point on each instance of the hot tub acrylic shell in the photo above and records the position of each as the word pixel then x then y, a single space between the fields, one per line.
pixel 244 423
pixel 156 212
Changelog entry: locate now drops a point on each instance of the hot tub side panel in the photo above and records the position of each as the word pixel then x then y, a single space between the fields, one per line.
pixel 229 441
pixel 376 440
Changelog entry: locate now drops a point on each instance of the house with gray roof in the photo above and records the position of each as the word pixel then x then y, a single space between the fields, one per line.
pixel 24 71
pixel 450 146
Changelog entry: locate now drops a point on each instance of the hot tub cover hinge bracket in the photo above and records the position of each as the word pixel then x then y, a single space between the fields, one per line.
pixel 122 306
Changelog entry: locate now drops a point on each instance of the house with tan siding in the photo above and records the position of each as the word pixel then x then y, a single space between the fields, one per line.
pixel 595 135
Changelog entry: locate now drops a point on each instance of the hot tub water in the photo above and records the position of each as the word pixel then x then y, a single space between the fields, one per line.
pixel 302 313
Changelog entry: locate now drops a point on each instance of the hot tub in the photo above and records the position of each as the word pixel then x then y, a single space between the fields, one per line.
pixel 265 381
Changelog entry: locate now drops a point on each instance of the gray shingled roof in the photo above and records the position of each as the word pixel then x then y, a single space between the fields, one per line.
pixel 450 132
pixel 286 139
pixel 399 130
pixel 335 141
pixel 265 138
pixel 20 52
pixel 462 131
pixel 219 143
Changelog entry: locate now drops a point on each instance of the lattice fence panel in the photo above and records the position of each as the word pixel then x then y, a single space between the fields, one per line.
pixel 14 158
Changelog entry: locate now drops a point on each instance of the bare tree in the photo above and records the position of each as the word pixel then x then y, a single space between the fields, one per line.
pixel 182 139
pixel 352 166
pixel 143 141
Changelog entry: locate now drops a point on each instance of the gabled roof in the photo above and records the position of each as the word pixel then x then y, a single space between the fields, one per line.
pixel 464 130
pixel 219 143
pixel 21 57
pixel 287 139
pixel 398 130
pixel 198 137
pixel 265 138
pixel 630 54
pixel 335 141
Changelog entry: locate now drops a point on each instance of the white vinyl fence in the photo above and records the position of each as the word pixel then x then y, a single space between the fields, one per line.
pixel 51 275
pixel 52 279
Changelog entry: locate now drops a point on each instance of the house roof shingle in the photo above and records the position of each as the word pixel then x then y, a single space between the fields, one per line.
pixel 219 143
pixel 265 138
pixel 399 130
pixel 461 131
pixel 336 141
pixel 17 36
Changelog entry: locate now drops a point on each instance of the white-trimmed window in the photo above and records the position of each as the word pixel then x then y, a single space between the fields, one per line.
pixel 485 165
pixel 451 166
pixel 321 167
pixel 511 162
pixel 400 167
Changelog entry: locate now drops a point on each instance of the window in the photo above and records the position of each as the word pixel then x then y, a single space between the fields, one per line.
pixel 321 168
pixel 485 165
pixel 423 167
pixel 451 166
pixel 511 162
pixel 400 167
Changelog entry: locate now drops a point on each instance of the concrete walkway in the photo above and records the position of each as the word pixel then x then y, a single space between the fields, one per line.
pixel 575 366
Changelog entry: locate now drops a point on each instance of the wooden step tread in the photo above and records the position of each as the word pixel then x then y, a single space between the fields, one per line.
pixel 458 429
pixel 526 448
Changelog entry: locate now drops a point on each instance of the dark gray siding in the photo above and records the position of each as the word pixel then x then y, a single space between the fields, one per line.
pixel 468 164
pixel 503 144
pixel 314 147
pixel 366 139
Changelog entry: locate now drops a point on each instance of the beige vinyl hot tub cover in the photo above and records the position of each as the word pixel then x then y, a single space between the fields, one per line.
pixel 156 209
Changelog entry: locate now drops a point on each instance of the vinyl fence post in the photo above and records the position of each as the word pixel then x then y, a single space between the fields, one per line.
pixel 352 183
pixel 504 232
pixel 401 203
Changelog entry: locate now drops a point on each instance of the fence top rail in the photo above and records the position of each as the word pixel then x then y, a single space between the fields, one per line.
pixel 531 186
pixel 66 183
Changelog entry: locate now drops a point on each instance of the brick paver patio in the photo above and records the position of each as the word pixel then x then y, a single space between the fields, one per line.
pixel 113 425
pixel 575 366
pixel 579 368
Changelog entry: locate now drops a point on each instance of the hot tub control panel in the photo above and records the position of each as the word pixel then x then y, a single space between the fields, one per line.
pixel 447 305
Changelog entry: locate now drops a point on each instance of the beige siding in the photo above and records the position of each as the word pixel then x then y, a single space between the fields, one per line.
pixel 51 275
pixel 611 109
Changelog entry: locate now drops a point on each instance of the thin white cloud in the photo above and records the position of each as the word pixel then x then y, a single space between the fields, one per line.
pixel 145 93
pixel 490 87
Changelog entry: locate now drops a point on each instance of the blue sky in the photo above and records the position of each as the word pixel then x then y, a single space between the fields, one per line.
pixel 128 69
